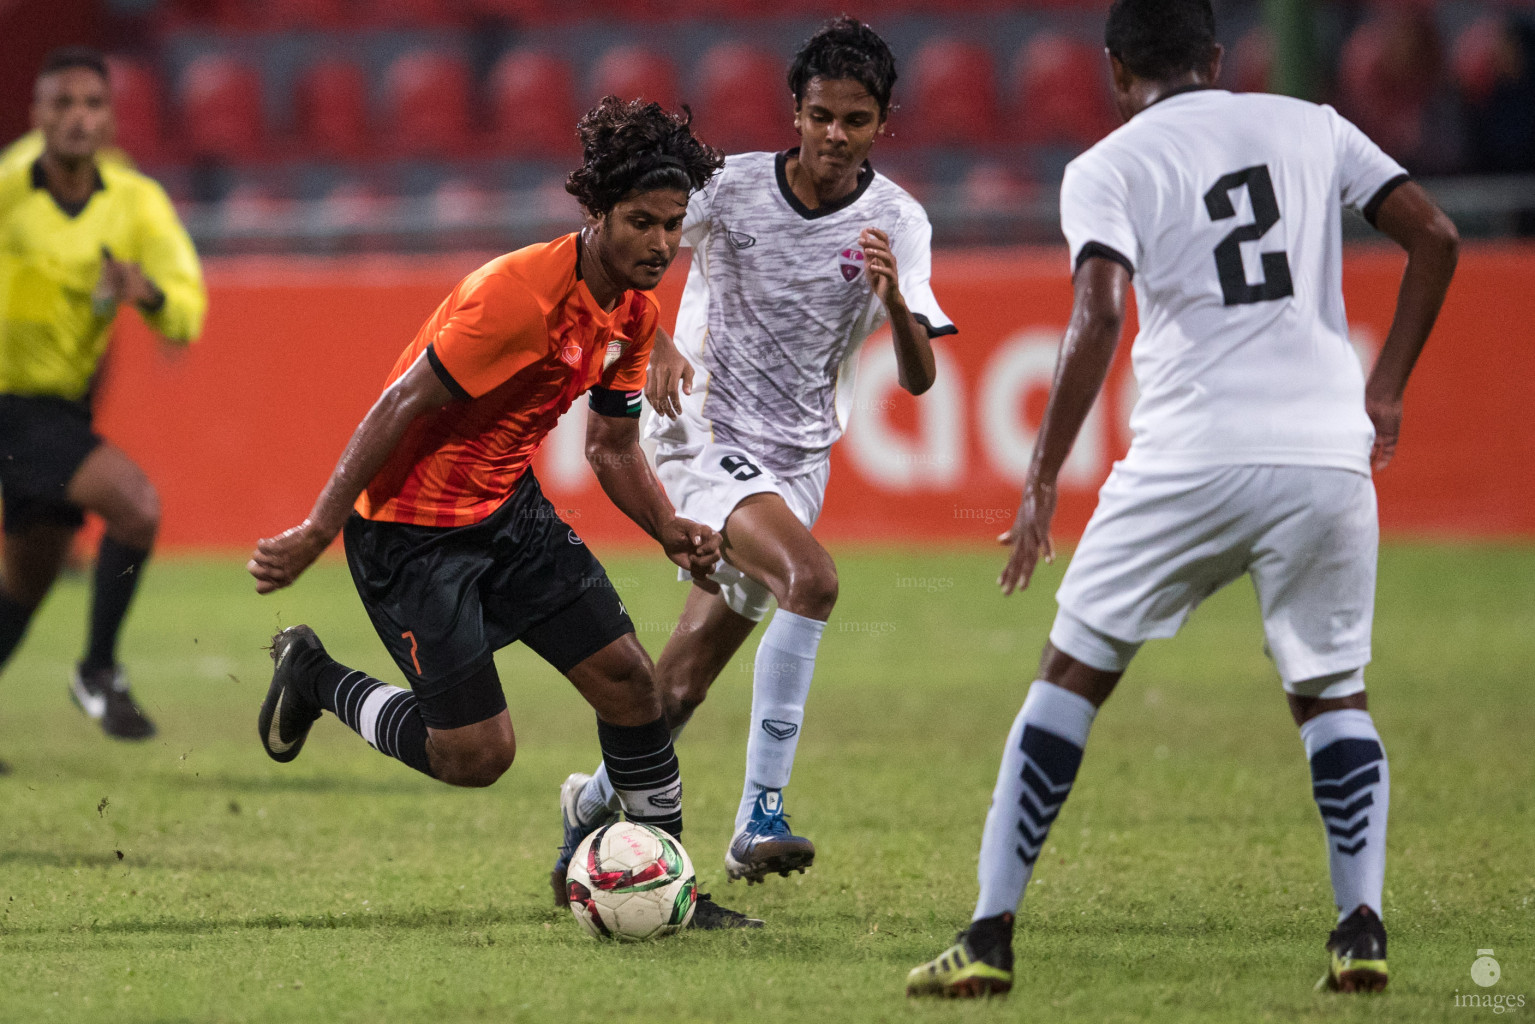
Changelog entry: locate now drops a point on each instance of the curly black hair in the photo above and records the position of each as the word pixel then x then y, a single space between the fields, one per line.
pixel 845 48
pixel 1158 39
pixel 635 146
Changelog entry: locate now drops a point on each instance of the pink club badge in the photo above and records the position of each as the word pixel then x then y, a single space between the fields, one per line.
pixel 850 262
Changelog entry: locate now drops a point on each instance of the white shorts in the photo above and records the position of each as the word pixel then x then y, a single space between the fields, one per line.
pixel 706 487
pixel 1161 542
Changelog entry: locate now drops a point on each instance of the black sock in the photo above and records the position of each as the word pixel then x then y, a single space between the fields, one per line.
pixel 643 769
pixel 988 933
pixel 386 716
pixel 118 568
pixel 14 617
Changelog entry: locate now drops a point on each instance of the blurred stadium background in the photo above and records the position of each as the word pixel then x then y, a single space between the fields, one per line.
pixel 340 163
pixel 411 125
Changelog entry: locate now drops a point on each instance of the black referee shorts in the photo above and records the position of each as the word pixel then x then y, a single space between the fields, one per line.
pixel 43 441
pixel 444 599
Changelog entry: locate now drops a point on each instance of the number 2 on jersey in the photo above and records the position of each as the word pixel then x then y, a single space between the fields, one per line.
pixel 1235 288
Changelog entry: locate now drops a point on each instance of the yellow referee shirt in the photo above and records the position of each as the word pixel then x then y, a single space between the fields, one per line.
pixel 29 147
pixel 50 262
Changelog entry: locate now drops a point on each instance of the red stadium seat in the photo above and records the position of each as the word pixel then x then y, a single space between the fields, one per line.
pixel 408 13
pixel 1250 66
pixel 1482 56
pixel 427 104
pixel 330 110
pixel 137 103
pixel 631 72
pixel 532 102
pixel 295 15
pixel 744 100
pixel 519 12
pixel 954 94
pixel 1061 92
pixel 1387 73
pixel 228 15
pixel 221 114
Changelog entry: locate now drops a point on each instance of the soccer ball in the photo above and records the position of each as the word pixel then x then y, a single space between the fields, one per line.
pixel 631 882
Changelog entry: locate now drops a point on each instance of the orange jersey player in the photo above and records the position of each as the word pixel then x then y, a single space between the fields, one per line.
pixel 516 343
pixel 454 550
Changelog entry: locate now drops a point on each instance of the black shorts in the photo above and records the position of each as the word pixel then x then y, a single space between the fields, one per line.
pixel 43 441
pixel 444 599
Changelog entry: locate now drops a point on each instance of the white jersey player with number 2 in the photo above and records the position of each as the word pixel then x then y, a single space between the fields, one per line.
pixel 798 257
pixel 1252 447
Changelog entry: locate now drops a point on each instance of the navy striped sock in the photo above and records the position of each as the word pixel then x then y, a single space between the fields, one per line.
pixel 1352 786
pixel 1039 764
pixel 642 767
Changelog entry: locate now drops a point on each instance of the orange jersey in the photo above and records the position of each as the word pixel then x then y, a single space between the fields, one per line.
pixel 517 341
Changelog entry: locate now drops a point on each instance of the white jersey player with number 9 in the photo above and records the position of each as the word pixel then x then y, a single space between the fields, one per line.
pixel 1252 447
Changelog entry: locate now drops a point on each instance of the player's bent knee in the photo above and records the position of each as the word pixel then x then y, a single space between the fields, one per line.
pixel 619 683
pixel 812 592
pixel 146 518
pixel 473 756
pixel 139 521
pixel 478 768
pixel 683 699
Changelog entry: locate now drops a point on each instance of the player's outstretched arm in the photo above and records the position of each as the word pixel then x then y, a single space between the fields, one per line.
pixel 669 370
pixel 278 561
pixel 1414 222
pixel 614 452
pixel 1097 314
pixel 916 368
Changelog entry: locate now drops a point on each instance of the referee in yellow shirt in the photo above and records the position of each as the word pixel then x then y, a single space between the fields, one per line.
pixel 79 237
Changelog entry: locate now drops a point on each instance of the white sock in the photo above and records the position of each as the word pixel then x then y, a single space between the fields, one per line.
pixel 780 687
pixel 598 798
pixel 1039 764
pixel 372 705
pixel 1352 786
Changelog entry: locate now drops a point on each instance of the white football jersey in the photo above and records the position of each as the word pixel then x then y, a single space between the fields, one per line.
pixel 776 306
pixel 1227 210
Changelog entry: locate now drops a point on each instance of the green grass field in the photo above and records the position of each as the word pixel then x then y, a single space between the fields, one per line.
pixel 191 879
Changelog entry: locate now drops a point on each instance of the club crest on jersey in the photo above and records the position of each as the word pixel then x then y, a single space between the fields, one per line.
pixel 740 239
pixel 850 262
pixel 615 350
